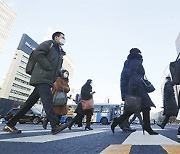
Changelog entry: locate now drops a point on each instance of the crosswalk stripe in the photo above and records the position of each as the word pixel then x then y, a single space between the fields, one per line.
pixel 137 138
pixel 172 149
pixel 116 149
pixel 48 138
pixel 29 131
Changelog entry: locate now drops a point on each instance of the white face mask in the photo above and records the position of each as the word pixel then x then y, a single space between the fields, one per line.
pixel 62 41
pixel 65 75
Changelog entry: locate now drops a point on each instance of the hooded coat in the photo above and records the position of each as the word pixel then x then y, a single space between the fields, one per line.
pixel 131 83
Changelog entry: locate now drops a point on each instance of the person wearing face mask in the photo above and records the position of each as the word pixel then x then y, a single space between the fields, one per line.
pixel 60 85
pixel 86 94
pixel 49 58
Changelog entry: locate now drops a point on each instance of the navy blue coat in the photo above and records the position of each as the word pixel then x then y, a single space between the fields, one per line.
pixel 170 105
pixel 131 76
pixel 124 80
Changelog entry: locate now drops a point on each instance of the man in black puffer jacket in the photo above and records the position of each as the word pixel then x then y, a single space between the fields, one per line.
pixel 49 58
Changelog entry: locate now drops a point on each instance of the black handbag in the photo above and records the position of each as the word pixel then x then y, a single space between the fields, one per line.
pixel 174 68
pixel 147 85
pixel 60 99
pixel 133 103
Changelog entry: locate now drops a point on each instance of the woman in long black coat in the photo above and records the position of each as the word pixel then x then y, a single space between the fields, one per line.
pixel 86 94
pixel 169 102
pixel 133 72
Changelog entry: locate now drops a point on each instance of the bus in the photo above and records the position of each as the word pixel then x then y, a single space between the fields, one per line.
pixel 102 113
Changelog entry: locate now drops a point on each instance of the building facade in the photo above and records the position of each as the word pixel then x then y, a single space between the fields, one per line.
pixel 16 85
pixel 7 19
pixel 177 42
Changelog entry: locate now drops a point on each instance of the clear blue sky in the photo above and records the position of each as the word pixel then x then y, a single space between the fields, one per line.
pixel 99 35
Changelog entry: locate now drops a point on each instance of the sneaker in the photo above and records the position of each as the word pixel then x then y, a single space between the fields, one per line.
pixel 59 128
pixel 13 130
pixel 178 135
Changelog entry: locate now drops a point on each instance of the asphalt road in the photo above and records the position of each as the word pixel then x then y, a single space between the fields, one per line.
pixel 35 140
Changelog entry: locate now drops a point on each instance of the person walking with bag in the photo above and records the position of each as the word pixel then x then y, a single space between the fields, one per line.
pixel 49 57
pixel 169 102
pixel 134 72
pixel 125 126
pixel 86 95
pixel 60 86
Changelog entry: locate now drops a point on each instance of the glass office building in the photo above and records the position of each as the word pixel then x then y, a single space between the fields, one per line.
pixel 7 19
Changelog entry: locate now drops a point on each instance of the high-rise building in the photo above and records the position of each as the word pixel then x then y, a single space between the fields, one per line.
pixel 16 85
pixel 7 19
pixel 177 42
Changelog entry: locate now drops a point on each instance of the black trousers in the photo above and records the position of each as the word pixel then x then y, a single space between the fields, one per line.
pixel 166 119
pixel 42 91
pixel 127 114
pixel 78 119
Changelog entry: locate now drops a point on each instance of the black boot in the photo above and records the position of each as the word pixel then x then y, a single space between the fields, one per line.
pixel 114 124
pixel 165 121
pixel 146 123
pixel 45 122
pixel 160 125
pixel 70 125
pixel 88 121
pixel 88 128
pixel 149 130
pixel 72 122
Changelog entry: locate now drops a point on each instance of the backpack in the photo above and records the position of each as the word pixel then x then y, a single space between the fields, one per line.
pixel 32 62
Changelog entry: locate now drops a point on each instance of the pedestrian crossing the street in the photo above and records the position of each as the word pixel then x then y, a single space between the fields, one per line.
pixel 129 144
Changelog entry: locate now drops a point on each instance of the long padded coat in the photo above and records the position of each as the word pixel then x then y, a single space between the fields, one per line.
pixel 131 76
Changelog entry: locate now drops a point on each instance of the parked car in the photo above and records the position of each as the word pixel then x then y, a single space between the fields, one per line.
pixel 32 116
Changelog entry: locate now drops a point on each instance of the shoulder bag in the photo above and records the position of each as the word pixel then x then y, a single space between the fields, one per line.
pixel 60 98
pixel 133 103
pixel 87 104
pixel 147 85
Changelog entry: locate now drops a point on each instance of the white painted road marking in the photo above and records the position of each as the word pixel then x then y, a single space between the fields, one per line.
pixel 137 138
pixel 48 138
